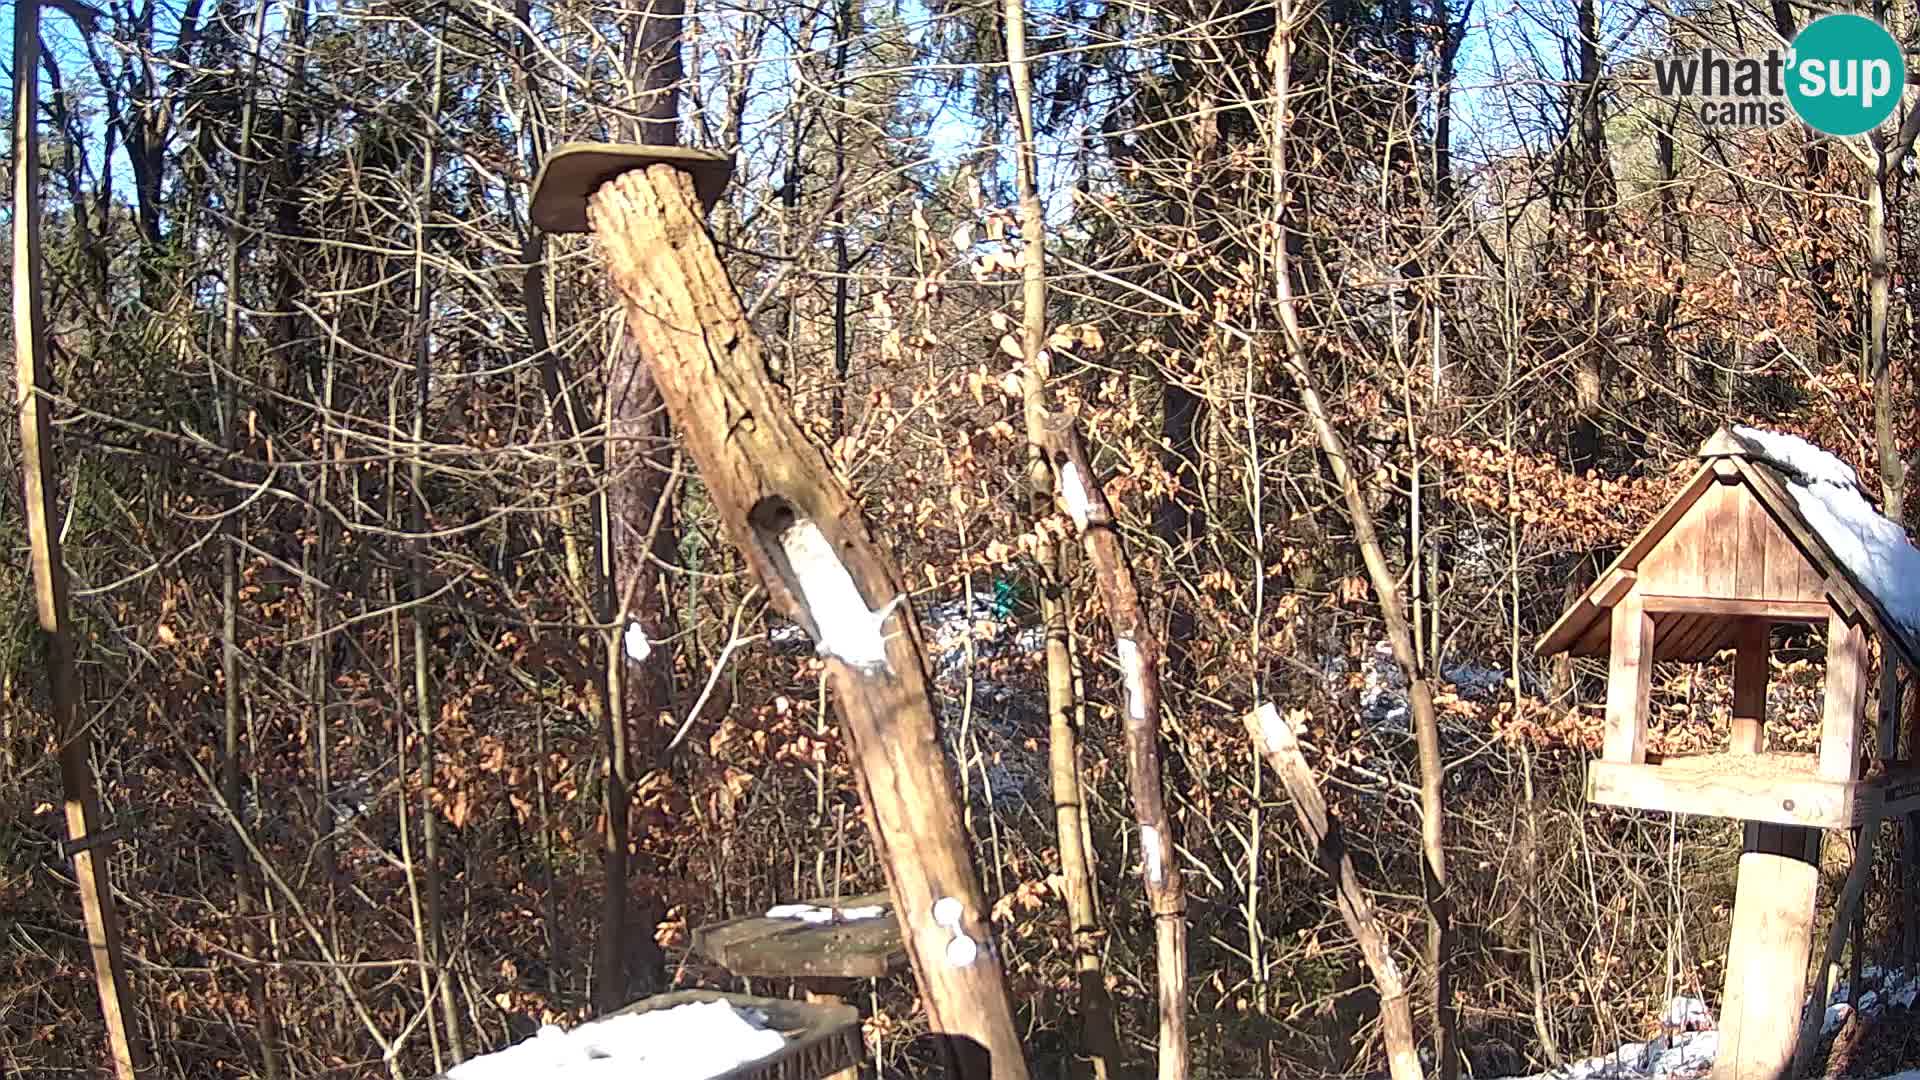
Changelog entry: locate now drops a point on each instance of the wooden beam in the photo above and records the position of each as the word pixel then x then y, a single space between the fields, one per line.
pixel 807 541
pixel 1629 682
pixel 1846 699
pixel 1726 471
pixel 1612 588
pixel 1756 792
pixel 33 400
pixel 1750 675
pixel 1727 607
pixel 1773 911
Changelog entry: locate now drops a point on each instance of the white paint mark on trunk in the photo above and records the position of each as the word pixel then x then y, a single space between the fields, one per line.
pixel 1073 492
pixel 638 647
pixel 962 951
pixel 1153 858
pixel 1134 670
pixel 846 628
pixel 947 912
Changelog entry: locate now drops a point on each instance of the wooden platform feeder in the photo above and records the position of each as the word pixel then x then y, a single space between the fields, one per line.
pixel 826 959
pixel 1729 558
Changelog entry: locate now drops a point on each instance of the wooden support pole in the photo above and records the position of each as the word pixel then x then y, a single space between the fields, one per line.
pixel 1629 682
pixel 1276 741
pixel 33 386
pixel 1773 911
pixel 1750 675
pixel 810 546
pixel 1846 698
pixel 1139 650
pixel 1846 686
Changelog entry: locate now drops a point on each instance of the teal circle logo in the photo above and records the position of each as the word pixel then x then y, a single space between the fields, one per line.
pixel 1845 74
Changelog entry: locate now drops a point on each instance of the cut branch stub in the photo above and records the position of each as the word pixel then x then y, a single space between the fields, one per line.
pixel 810 546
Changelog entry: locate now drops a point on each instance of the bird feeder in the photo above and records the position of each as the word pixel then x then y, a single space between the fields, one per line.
pixel 1767 531
pixel 825 956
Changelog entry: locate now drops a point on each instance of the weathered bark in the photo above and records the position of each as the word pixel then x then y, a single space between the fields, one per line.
pixel 32 401
pixel 1276 740
pixel 1385 582
pixel 810 546
pixel 1595 190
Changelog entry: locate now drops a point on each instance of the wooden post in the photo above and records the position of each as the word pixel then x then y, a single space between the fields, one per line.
pixel 1629 682
pixel 33 387
pixel 1750 674
pixel 810 546
pixel 1275 739
pixel 1773 911
pixel 1139 650
pixel 1846 698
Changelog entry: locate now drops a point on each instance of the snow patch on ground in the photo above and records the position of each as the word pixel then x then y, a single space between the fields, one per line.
pixel 1686 1050
pixel 686 1042
pixel 1827 491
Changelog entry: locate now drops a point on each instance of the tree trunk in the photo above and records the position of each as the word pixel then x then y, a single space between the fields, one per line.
pixel 809 545
pixel 640 537
pixel 1385 584
pixel 1276 740
pixel 33 388
pixel 1100 1032
pixel 1139 650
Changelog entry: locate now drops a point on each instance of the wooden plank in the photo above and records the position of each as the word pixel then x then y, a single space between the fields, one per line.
pixel 1785 513
pixel 1750 788
pixel 1750 674
pixel 755 946
pixel 1750 577
pixel 1629 682
pixel 1767 955
pixel 1807 611
pixel 1718 536
pixel 1673 567
pixel 1701 630
pixel 1846 699
pixel 1726 472
pixel 1573 623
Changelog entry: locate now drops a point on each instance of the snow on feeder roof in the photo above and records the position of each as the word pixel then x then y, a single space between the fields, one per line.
pixel 1769 524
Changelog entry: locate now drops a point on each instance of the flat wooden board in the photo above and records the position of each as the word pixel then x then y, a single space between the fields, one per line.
pixel 1784 789
pixel 574 171
pixel 758 947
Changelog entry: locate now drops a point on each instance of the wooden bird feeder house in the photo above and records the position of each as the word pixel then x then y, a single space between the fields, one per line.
pixel 1749 544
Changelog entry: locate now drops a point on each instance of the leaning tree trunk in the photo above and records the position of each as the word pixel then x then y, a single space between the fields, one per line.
pixel 33 390
pixel 808 543
pixel 1385 582
pixel 1139 650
